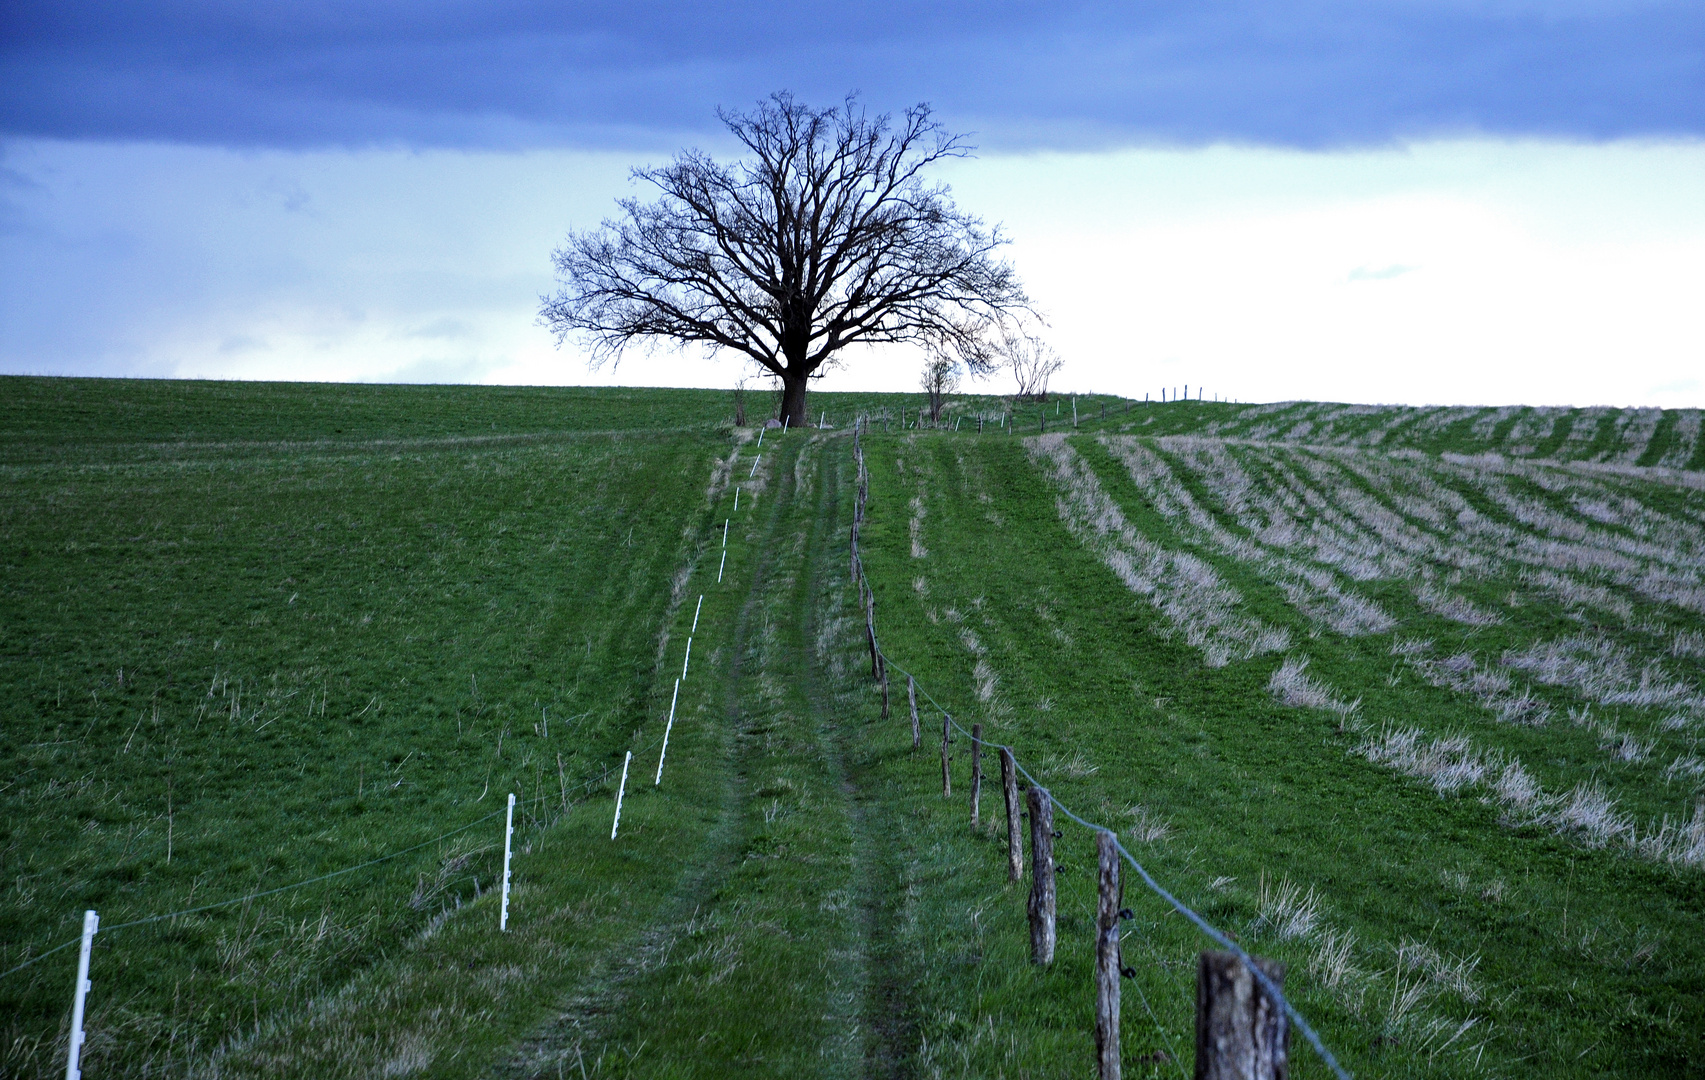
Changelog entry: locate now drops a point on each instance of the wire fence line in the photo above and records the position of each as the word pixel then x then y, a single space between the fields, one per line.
pixel 582 786
pixel 880 661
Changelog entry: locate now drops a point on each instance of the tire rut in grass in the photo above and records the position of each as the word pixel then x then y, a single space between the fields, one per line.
pixel 778 958
pixel 834 685
pixel 872 1023
pixel 593 1015
pixel 795 893
pixel 655 1008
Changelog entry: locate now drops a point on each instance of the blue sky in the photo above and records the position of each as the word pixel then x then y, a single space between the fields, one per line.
pixel 1426 201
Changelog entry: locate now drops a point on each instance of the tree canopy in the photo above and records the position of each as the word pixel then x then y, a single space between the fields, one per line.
pixel 826 234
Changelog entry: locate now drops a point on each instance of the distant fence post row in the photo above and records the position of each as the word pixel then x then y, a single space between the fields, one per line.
pixel 1242 1022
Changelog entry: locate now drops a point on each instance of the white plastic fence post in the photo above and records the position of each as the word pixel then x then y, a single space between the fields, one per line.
pixel 667 728
pixel 620 791
pixel 91 923
pixel 719 567
pixel 760 438
pixel 737 498
pixel 508 839
pixel 754 471
pixel 688 658
pixel 725 532
pixel 696 611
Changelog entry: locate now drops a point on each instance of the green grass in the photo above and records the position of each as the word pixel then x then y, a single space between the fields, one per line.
pixel 1589 959
pixel 229 673
pixel 331 605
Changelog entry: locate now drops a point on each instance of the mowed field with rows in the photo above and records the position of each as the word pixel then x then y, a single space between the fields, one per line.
pixel 1407 699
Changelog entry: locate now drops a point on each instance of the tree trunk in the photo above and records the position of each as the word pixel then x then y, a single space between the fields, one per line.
pixel 793 400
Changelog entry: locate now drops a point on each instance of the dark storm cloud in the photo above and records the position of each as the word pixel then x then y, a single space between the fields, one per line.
pixel 524 74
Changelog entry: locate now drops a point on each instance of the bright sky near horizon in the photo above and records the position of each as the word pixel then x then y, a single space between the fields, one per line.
pixel 1423 202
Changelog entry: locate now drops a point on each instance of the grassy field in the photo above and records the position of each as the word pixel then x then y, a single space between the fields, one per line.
pixel 1409 699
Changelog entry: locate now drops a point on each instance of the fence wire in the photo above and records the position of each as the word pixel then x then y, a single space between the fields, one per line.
pixel 1154 886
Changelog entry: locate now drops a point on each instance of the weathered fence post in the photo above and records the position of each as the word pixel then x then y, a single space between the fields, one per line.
pixel 912 700
pixel 870 633
pixel 1041 906
pixel 878 662
pixel 852 552
pixel 976 773
pixel 1109 901
pixel 946 776
pixel 1014 842
pixel 1241 1032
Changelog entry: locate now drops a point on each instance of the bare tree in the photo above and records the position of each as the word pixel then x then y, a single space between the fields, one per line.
pixel 740 403
pixel 1032 360
pixel 826 235
pixel 940 378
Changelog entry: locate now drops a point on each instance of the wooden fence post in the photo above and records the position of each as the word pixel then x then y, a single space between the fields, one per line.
pixel 1109 901
pixel 1241 1033
pixel 912 700
pixel 1041 906
pixel 976 773
pixel 882 674
pixel 1014 843
pixel 946 776
pixel 870 632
